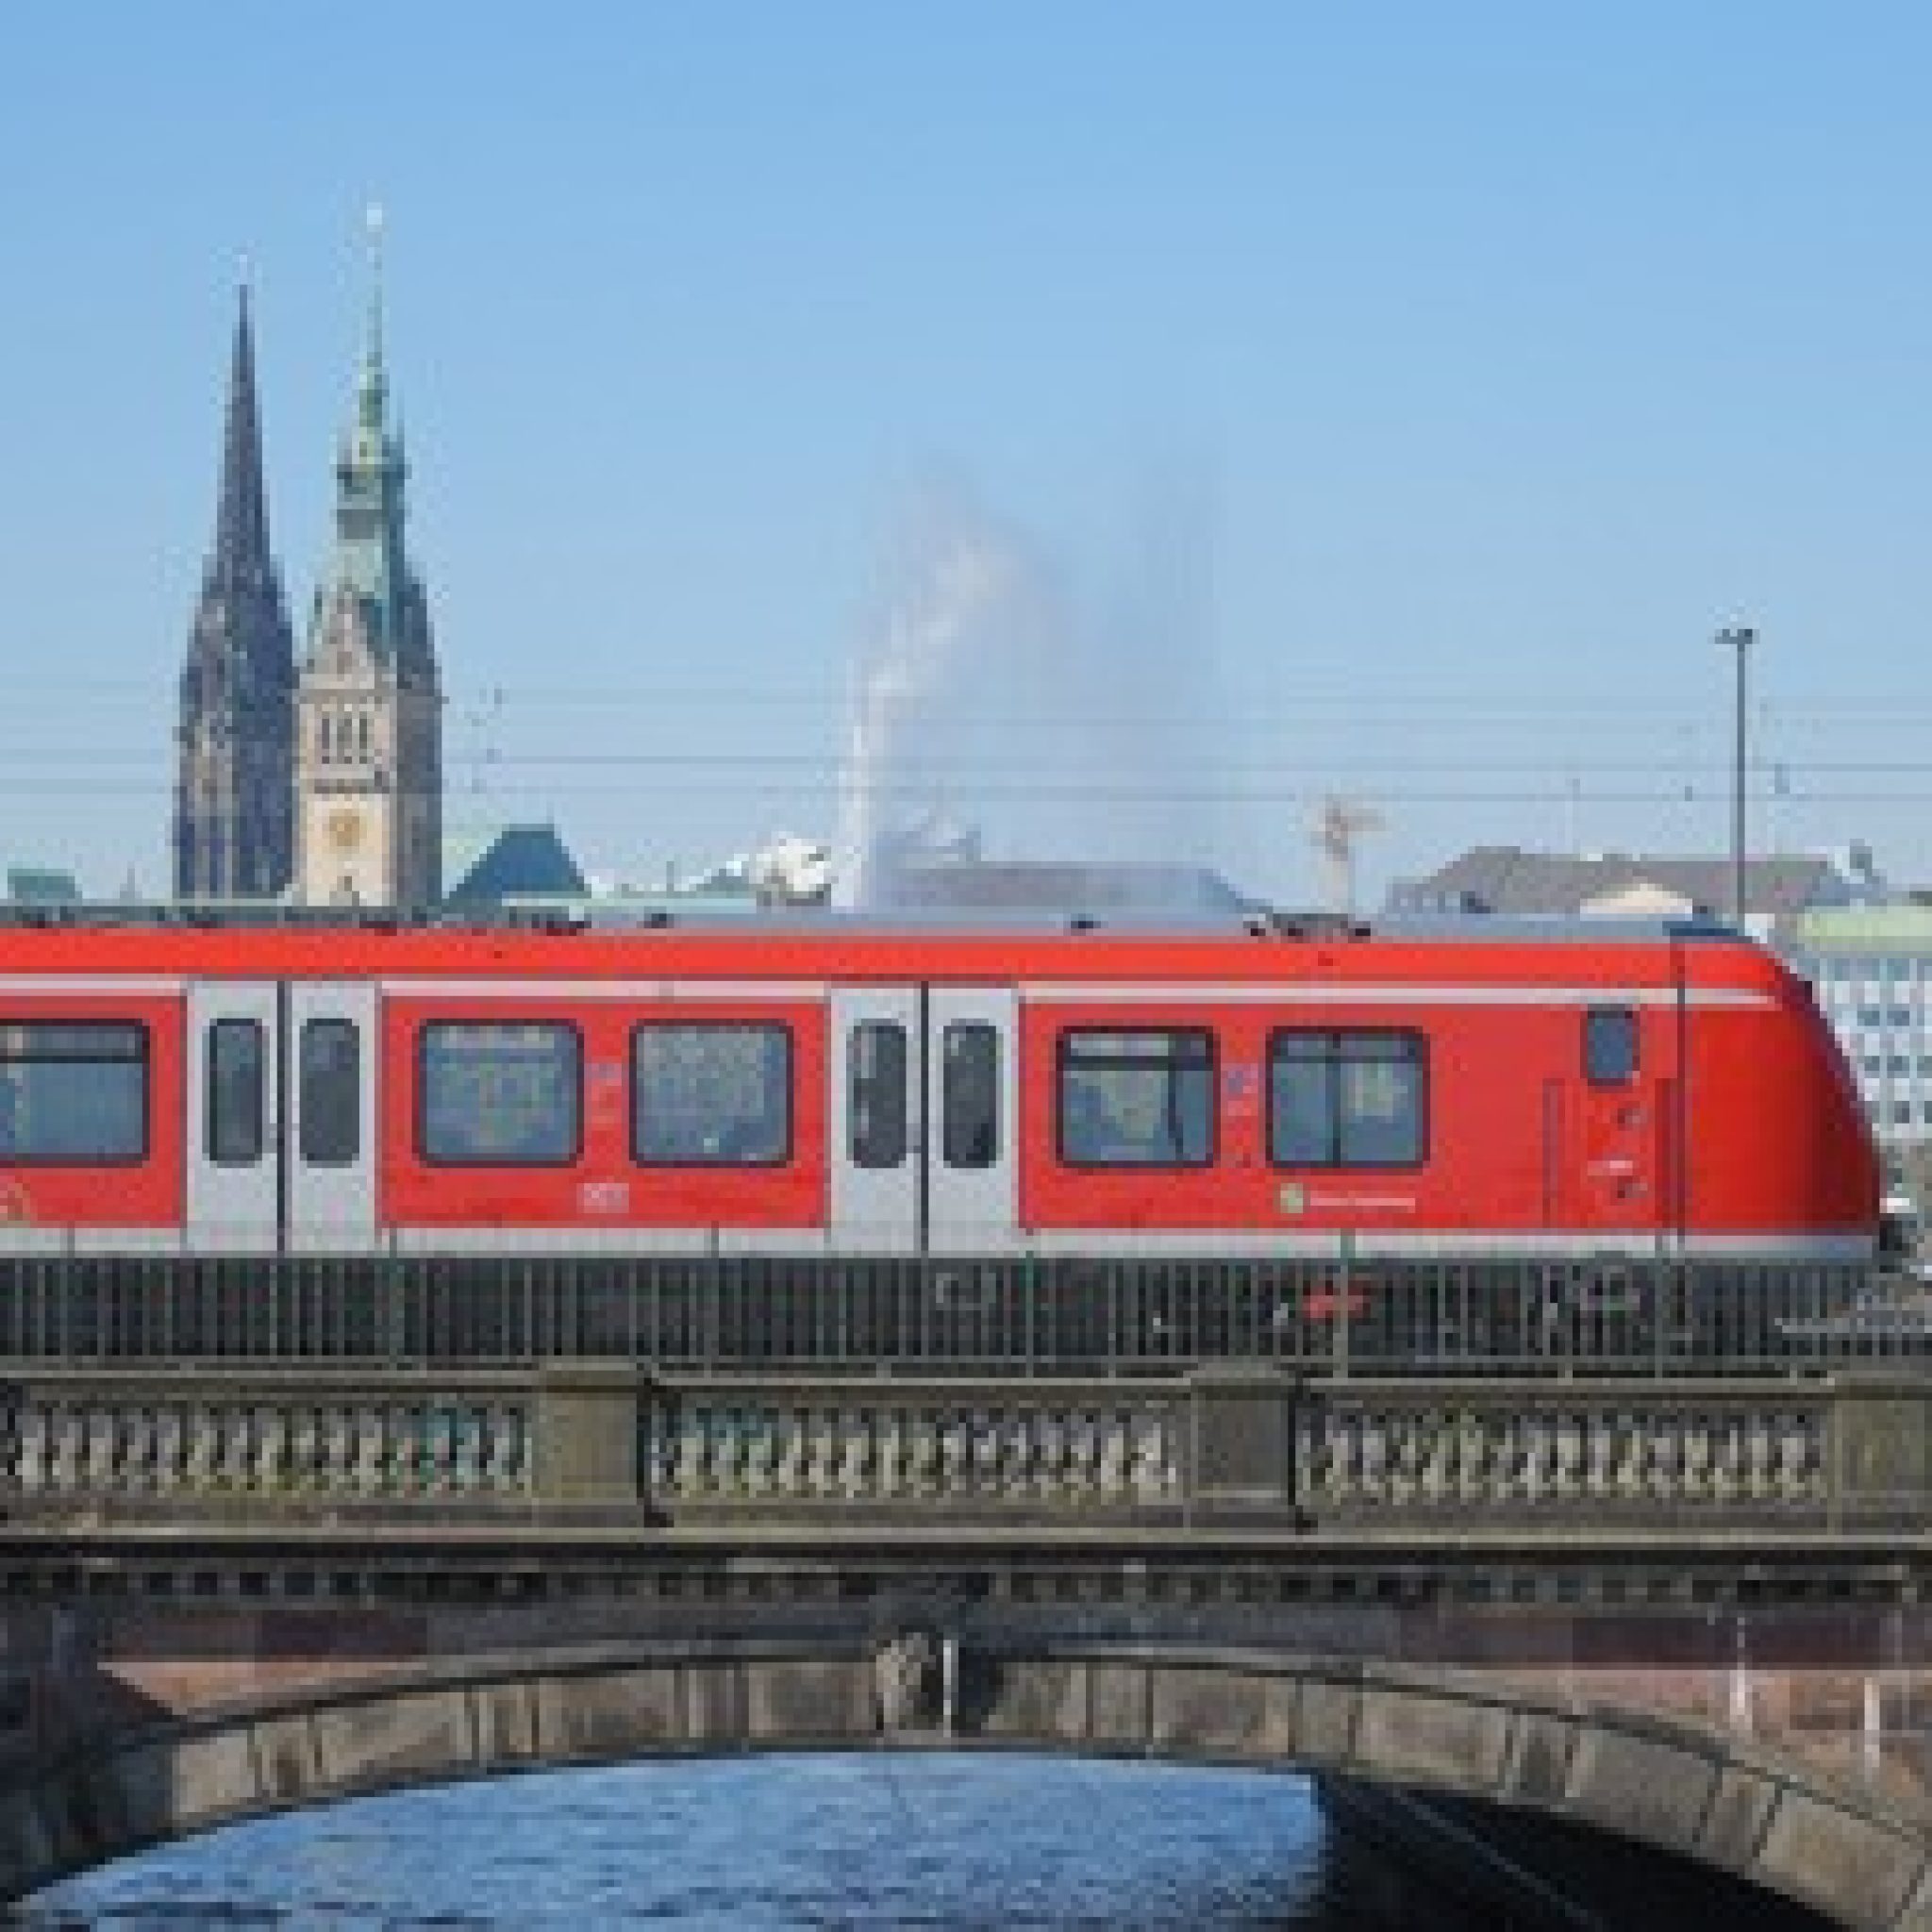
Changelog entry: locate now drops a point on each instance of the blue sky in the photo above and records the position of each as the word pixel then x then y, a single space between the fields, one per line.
pixel 1397 398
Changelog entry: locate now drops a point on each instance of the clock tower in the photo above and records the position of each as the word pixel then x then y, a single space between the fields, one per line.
pixel 369 720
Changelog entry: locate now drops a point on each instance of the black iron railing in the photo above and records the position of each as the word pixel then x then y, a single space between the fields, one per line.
pixel 1026 1313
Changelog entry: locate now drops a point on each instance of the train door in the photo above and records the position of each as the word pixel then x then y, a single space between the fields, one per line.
pixel 234 1127
pixel 1621 1132
pixel 877 1121
pixel 971 1105
pixel 331 1138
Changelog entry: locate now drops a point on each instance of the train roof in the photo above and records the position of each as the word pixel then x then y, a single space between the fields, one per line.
pixel 779 922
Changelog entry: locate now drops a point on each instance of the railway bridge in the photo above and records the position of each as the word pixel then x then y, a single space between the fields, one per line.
pixel 1688 1613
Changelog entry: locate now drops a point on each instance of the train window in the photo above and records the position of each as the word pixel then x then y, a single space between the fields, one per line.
pixel 875 1100
pixel 1346 1100
pixel 711 1093
pixel 233 1122
pixel 502 1094
pixel 1136 1099
pixel 1609 1045
pixel 330 1098
pixel 73 1092
pixel 970 1094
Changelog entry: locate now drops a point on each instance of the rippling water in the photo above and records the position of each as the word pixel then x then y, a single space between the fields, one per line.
pixel 874 1840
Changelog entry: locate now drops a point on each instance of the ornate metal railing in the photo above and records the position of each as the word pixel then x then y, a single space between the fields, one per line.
pixel 1032 1313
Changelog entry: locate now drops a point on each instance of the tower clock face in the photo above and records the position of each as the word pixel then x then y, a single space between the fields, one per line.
pixel 344 830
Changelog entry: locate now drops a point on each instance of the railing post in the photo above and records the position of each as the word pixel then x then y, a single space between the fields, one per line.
pixel 586 1437
pixel 1241 1441
pixel 1878 1452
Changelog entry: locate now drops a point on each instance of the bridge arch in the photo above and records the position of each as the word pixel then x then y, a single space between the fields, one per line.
pixel 1663 1780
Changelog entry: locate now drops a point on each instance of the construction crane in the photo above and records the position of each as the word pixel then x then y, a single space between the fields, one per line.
pixel 1338 828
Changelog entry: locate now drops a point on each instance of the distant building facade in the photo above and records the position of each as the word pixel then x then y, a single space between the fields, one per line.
pixel 234 790
pixel 1505 879
pixel 369 707
pixel 1871 969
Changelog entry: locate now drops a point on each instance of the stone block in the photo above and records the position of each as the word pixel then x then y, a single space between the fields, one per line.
pixel 395 1739
pixel 1242 1452
pixel 1119 1706
pixel 609 1714
pixel 585 1433
pixel 174 1786
pixel 1917 1916
pixel 1879 1445
pixel 1409 1737
pixel 714 1710
pixel 505 1718
pixel 1223 1714
pixel 1042 1700
pixel 1860 1872
pixel 796 1700
pixel 1325 1725
pixel 1642 1787
pixel 1538 1767
pixel 285 1754
pixel 1734 1827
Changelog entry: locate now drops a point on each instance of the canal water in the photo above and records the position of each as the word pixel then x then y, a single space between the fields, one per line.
pixel 847 1841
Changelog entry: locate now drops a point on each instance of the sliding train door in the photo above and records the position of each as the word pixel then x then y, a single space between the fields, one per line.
pixel 233 1131
pixel 925 1119
pixel 333 1068
pixel 878 1120
pixel 972 1106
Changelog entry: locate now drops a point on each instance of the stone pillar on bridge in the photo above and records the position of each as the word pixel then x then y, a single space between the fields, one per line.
pixel 1241 1443
pixel 587 1434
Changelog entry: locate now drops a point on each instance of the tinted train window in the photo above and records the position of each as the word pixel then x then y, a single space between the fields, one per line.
pixel 875 1100
pixel 970 1094
pixel 1609 1045
pixel 1345 1100
pixel 501 1094
pixel 712 1095
pixel 1136 1099
pixel 234 1093
pixel 330 1100
pixel 73 1091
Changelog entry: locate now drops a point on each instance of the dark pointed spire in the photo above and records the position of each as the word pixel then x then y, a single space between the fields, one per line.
pixel 241 552
pixel 235 783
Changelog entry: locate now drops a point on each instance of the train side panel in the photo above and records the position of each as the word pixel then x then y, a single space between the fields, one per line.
pixel 103 1070
pixel 476 1077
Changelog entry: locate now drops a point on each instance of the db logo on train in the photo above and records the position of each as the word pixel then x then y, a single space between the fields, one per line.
pixel 14 1204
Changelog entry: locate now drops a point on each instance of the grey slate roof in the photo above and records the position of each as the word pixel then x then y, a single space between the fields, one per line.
pixel 1057 886
pixel 1506 878
pixel 511 861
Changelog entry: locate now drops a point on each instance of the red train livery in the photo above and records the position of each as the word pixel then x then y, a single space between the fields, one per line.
pixel 842 1089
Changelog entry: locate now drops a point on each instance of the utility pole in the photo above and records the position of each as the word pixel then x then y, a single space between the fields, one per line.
pixel 1740 637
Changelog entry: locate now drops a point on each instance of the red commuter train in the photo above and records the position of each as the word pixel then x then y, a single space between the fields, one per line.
pixel 819 1088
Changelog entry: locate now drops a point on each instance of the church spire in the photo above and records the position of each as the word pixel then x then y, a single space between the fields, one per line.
pixel 241 552
pixel 234 803
pixel 373 388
